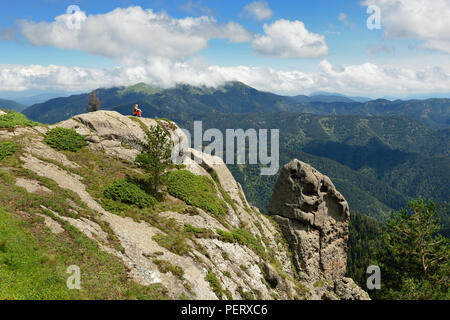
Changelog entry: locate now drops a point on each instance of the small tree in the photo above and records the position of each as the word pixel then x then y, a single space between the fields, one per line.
pixel 413 257
pixel 156 157
pixel 94 103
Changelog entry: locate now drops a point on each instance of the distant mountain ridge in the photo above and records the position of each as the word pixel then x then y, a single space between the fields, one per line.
pixel 380 153
pixel 236 97
pixel 11 105
pixel 39 98
pixel 378 163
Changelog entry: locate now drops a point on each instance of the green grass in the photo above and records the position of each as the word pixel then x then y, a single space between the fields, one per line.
pixel 65 139
pixel 224 194
pixel 26 271
pixel 165 266
pixel 100 171
pixel 195 190
pixel 246 295
pixel 215 284
pixel 7 148
pixel 141 124
pixel 243 237
pixel 15 119
pixel 198 232
pixel 34 263
pixel 129 193
pixel 174 242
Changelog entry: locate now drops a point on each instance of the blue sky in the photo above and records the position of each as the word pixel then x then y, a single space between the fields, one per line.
pixel 291 47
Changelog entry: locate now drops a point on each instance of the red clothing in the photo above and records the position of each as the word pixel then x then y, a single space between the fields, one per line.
pixel 137 113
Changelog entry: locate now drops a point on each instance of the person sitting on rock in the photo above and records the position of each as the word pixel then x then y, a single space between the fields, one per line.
pixel 136 111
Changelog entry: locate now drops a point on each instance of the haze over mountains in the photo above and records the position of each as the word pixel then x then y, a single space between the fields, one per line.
pixel 236 97
pixel 379 153
pixel 11 105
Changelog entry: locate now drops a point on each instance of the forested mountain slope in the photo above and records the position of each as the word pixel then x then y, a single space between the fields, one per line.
pixel 234 97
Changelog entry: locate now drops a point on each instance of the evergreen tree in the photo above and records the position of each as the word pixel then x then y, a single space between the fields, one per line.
pixel 364 238
pixel 413 256
pixel 155 158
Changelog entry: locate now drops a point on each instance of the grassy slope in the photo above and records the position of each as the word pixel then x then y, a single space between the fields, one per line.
pixel 33 261
pixel 36 263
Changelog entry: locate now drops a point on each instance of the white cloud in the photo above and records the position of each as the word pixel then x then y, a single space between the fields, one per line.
pixel 153 47
pixel 416 19
pixel 364 79
pixel 133 33
pixel 259 10
pixel 290 39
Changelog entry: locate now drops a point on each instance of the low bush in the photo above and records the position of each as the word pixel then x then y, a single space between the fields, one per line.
pixel 166 266
pixel 174 242
pixel 14 119
pixel 198 232
pixel 215 284
pixel 245 294
pixel 65 139
pixel 7 149
pixel 129 193
pixel 243 237
pixel 198 191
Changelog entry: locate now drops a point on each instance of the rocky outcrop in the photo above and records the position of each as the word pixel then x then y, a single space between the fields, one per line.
pixel 311 214
pixel 314 217
pixel 237 267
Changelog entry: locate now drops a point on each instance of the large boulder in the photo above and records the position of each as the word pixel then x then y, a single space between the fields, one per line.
pixel 314 217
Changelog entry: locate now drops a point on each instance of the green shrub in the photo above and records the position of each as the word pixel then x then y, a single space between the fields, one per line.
pixel 174 242
pixel 245 294
pixel 195 190
pixel 7 149
pixel 198 232
pixel 215 284
pixel 191 229
pixel 243 237
pixel 14 119
pixel 65 139
pixel 225 236
pixel 129 193
pixel 166 266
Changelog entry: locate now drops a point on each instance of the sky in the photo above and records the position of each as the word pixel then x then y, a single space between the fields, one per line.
pixel 372 48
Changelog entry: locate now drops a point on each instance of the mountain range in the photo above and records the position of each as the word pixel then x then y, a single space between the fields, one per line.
pixel 379 153
pixel 236 97
pixel 11 105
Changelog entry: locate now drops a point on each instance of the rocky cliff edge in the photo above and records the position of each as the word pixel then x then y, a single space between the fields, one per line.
pixel 299 252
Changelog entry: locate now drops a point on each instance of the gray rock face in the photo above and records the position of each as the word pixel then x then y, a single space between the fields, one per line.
pixel 348 290
pixel 314 217
pixel 312 214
